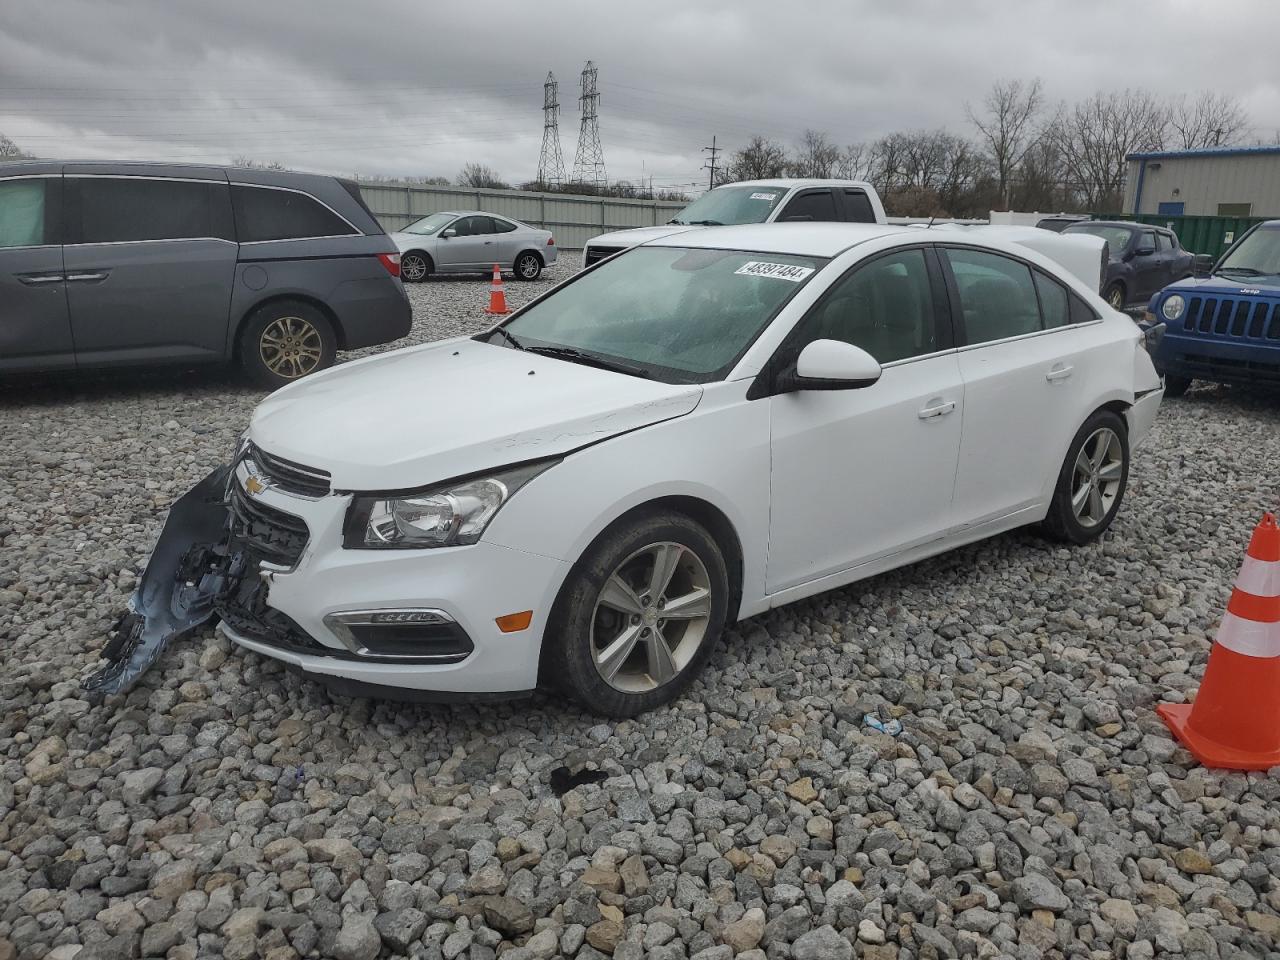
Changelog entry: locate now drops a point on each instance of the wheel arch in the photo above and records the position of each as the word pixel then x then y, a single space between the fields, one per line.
pixel 534 250
pixel 339 334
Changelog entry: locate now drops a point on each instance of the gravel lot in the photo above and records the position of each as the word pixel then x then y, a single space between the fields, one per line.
pixel 1033 805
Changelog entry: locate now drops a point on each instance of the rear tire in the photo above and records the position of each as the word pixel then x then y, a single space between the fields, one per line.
pixel 1176 386
pixel 528 266
pixel 284 341
pixel 658 579
pixel 1092 481
pixel 415 266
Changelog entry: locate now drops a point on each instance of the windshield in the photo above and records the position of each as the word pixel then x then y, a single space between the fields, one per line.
pixel 1257 255
pixel 429 225
pixel 1117 237
pixel 726 205
pixel 675 314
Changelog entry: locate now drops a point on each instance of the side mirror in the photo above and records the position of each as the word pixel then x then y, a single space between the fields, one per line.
pixel 1144 251
pixel 1204 264
pixel 448 232
pixel 831 365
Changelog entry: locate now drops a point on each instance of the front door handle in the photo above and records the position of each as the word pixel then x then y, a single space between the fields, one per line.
pixel 939 409
pixel 34 279
pixel 86 277
pixel 1060 371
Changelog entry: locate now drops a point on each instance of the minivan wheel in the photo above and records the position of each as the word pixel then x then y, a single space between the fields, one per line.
pixel 639 615
pixel 528 266
pixel 284 341
pixel 1092 481
pixel 414 266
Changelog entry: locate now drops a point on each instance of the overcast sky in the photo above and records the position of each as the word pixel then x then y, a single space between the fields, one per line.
pixel 421 87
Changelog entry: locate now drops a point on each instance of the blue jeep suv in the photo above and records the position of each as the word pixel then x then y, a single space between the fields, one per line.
pixel 1225 327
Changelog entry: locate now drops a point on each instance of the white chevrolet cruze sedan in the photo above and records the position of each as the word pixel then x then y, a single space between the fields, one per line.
pixel 689 433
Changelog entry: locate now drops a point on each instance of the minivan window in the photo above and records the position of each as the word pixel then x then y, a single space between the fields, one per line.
pixel 266 213
pixel 22 213
pixel 130 209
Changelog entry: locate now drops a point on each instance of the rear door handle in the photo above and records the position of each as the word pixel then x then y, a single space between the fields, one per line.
pixel 940 409
pixel 1060 371
pixel 85 277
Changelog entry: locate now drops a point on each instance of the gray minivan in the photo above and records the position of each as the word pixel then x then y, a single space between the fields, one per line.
pixel 105 264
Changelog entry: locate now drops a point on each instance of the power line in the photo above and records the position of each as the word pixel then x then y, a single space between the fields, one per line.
pixel 588 163
pixel 550 162
pixel 711 163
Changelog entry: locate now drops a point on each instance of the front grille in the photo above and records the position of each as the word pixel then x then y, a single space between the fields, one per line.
pixel 1236 318
pixel 596 254
pixel 1223 370
pixel 267 533
pixel 289 476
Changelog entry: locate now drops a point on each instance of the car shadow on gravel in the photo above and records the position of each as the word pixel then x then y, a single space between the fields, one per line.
pixel 79 386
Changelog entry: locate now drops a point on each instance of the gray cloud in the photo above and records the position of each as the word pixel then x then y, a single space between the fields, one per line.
pixel 421 88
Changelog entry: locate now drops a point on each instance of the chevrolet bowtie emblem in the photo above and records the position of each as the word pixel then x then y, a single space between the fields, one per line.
pixel 254 486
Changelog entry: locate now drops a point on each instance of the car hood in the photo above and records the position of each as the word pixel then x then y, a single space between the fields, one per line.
pixel 636 235
pixel 1227 286
pixel 407 241
pixel 414 417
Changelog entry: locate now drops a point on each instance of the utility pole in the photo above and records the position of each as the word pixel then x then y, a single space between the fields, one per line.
pixel 588 163
pixel 550 162
pixel 711 163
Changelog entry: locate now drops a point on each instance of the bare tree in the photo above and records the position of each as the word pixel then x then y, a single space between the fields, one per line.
pixel 1211 120
pixel 856 162
pixel 481 175
pixel 1096 135
pixel 10 150
pixel 243 160
pixel 1006 124
pixel 760 159
pixel 816 156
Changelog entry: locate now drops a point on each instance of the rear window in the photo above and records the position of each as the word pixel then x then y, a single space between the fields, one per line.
pixel 267 213
pixel 132 209
pixel 24 213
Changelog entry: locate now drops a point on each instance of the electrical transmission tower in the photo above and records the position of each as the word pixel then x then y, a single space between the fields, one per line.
pixel 550 162
pixel 714 151
pixel 588 164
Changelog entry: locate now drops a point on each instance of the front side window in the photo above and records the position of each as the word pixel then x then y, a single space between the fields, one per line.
pixel 1147 241
pixel 265 213
pixel 428 226
pixel 1256 255
pixel 131 209
pixel 885 307
pixel 23 213
pixel 474 226
pixel 671 313
pixel 997 295
pixel 1164 242
pixel 819 205
pixel 732 205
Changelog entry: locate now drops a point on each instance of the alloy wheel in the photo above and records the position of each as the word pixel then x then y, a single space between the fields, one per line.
pixel 1096 477
pixel 413 267
pixel 527 266
pixel 651 617
pixel 290 347
pixel 1116 298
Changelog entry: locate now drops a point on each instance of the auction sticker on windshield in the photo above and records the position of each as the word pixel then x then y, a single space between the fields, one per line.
pixel 779 271
pixel 764 196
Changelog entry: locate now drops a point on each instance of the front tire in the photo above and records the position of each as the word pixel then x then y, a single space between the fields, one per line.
pixel 639 615
pixel 284 341
pixel 415 266
pixel 528 266
pixel 1114 295
pixel 1092 481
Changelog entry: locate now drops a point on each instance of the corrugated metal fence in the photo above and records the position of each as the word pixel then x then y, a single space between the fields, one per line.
pixel 1211 235
pixel 574 220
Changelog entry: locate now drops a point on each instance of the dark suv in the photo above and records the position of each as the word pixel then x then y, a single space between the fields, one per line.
pixel 105 264
pixel 1143 259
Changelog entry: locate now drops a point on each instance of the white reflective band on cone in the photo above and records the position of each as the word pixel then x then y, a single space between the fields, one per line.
pixel 1259 577
pixel 1249 637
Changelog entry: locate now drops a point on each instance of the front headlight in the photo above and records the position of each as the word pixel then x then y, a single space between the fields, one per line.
pixel 1173 307
pixel 447 515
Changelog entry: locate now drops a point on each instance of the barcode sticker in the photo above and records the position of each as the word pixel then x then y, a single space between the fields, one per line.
pixel 764 196
pixel 778 271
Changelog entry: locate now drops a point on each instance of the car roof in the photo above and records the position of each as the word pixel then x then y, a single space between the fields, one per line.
pixel 1113 223
pixel 797 239
pixel 790 182
pixel 470 213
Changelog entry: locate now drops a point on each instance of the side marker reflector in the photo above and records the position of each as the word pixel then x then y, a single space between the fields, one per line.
pixel 515 622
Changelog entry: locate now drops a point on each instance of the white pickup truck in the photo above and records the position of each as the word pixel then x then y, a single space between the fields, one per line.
pixel 787 199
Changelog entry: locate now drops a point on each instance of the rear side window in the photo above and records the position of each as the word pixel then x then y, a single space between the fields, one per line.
pixel 265 213
pixel 811 205
pixel 857 208
pixel 502 226
pixel 1081 312
pixel 130 209
pixel 1053 302
pixel 997 295
pixel 25 216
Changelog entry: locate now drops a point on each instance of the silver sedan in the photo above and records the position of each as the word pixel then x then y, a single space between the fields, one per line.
pixel 471 241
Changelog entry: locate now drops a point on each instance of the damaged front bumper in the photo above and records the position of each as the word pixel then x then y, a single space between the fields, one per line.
pixel 190 567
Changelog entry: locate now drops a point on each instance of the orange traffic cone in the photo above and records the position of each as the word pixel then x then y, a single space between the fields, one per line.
pixel 1235 719
pixel 497 296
